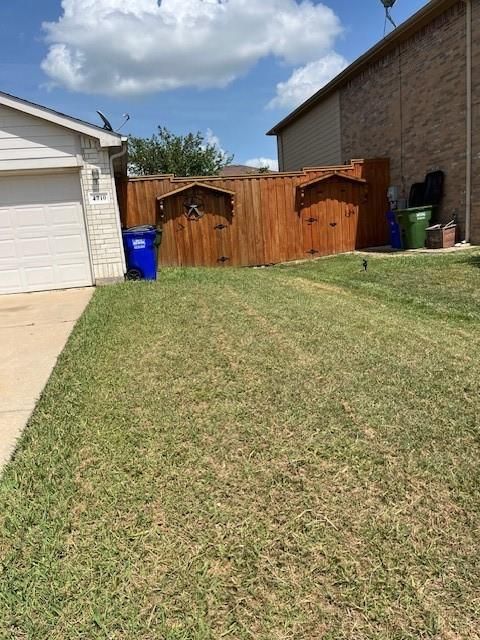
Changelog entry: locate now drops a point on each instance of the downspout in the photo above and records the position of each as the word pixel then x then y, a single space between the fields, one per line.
pixel 114 157
pixel 468 190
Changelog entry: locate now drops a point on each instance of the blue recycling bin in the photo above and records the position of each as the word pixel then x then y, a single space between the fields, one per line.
pixel 140 253
pixel 395 231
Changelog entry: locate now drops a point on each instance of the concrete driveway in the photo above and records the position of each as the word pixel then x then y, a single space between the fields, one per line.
pixel 34 329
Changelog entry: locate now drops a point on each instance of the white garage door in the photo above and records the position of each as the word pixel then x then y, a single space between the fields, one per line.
pixel 43 243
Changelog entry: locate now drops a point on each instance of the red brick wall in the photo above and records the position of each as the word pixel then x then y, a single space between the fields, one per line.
pixel 476 122
pixel 411 107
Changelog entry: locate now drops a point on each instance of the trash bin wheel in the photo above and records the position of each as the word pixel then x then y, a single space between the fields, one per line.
pixel 134 274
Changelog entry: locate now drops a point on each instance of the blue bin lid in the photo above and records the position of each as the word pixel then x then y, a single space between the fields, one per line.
pixel 140 229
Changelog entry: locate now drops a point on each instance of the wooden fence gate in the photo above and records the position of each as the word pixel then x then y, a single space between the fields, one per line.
pixel 264 218
pixel 329 214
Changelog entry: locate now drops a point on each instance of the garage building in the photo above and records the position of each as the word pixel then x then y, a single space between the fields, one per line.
pixel 59 218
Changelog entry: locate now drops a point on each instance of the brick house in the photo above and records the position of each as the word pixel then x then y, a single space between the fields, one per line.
pixel 414 98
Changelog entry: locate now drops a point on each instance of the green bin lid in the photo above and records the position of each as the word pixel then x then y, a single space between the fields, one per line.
pixel 415 213
pixel 425 209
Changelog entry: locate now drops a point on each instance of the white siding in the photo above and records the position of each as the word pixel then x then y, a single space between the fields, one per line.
pixel 314 138
pixel 27 142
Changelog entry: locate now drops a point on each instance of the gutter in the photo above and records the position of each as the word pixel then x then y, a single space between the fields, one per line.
pixel 469 154
pixel 114 157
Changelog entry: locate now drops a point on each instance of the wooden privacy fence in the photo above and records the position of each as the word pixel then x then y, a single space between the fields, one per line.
pixel 262 219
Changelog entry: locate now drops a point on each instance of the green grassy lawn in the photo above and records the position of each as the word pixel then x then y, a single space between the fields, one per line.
pixel 272 454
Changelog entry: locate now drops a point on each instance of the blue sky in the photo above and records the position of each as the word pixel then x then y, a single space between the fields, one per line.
pixel 92 56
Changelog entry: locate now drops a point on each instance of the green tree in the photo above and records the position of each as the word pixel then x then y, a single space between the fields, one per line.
pixel 165 152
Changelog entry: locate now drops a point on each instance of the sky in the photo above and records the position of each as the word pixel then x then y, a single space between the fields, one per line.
pixel 228 68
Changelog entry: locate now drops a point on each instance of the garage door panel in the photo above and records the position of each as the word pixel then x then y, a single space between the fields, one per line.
pixel 67 214
pixel 37 247
pixel 10 280
pixel 5 224
pixel 43 245
pixel 66 245
pixel 60 276
pixel 8 252
pixel 28 217
pixel 39 276
pixel 69 273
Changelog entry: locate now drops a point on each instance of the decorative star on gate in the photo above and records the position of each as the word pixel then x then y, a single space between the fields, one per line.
pixel 193 209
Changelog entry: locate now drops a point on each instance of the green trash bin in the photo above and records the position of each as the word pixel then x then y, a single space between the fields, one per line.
pixel 414 223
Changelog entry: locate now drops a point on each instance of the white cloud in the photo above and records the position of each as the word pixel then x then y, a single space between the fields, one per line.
pixel 307 80
pixel 259 163
pixel 126 47
pixel 212 139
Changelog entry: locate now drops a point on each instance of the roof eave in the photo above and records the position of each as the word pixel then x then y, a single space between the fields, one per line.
pixel 106 138
pixel 425 15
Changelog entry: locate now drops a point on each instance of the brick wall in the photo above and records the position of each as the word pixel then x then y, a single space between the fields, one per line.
pixel 411 107
pixel 103 223
pixel 475 230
